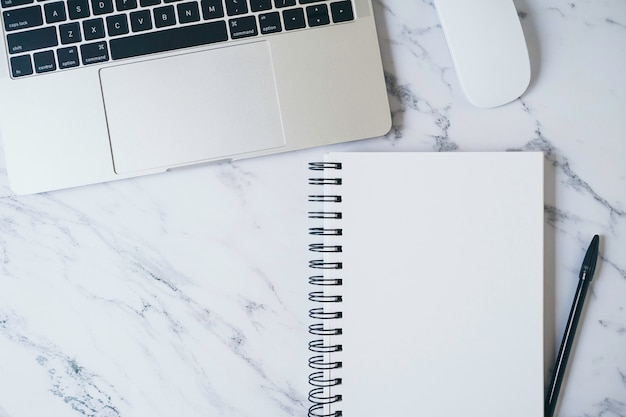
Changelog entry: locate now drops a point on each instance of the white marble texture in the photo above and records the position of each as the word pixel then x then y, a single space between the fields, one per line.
pixel 184 294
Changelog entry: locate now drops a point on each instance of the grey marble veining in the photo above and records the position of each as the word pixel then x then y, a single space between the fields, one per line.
pixel 185 293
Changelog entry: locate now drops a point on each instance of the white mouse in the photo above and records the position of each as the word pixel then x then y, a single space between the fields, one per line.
pixel 488 49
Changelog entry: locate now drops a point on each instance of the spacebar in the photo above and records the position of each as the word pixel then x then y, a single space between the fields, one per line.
pixel 168 40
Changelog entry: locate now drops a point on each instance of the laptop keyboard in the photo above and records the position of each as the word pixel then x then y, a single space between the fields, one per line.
pixel 53 35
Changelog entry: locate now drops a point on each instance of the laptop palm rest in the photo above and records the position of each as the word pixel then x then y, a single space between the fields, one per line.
pixel 191 108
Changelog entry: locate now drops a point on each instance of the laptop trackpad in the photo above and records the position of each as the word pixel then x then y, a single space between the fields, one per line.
pixel 190 108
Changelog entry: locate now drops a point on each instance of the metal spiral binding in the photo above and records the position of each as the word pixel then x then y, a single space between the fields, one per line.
pixel 320 362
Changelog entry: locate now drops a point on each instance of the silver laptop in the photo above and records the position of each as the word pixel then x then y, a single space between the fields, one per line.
pixel 98 90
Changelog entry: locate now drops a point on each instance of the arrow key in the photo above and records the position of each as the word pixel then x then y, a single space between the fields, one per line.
pixel 294 19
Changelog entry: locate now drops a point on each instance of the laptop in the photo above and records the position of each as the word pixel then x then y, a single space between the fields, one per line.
pixel 99 90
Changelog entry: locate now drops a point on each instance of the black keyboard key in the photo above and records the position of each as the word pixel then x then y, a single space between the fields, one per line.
pixel 269 23
pixel 68 57
pixel 284 3
pixel 235 7
pixel 260 5
pixel 212 9
pixel 117 25
pixel 168 40
pixel 309 1
pixel 164 16
pixel 28 17
pixel 294 19
pixel 122 5
pixel 242 27
pixel 93 53
pixel 12 3
pixel 21 65
pixel 317 15
pixel 55 12
pixel 78 9
pixel 146 3
pixel 44 61
pixel 93 29
pixel 140 20
pixel 99 7
pixel 32 39
pixel 188 12
pixel 70 33
pixel 342 11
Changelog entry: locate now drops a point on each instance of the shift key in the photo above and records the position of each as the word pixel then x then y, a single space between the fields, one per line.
pixel 32 39
pixel 25 18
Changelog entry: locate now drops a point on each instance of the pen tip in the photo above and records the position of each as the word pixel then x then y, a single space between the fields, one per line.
pixel 595 241
pixel 591 258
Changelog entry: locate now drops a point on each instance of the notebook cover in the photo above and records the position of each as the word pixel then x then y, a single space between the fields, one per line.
pixel 441 268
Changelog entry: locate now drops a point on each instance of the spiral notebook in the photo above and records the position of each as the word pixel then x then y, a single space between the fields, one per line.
pixel 426 284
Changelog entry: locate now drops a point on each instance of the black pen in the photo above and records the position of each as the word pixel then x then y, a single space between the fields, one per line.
pixel 584 279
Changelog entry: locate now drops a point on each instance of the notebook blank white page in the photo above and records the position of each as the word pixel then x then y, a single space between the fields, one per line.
pixel 442 284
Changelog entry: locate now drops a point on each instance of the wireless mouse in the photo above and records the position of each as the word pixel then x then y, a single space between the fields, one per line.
pixel 488 49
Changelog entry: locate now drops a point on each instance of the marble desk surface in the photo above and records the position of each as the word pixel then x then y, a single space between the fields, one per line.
pixel 184 294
